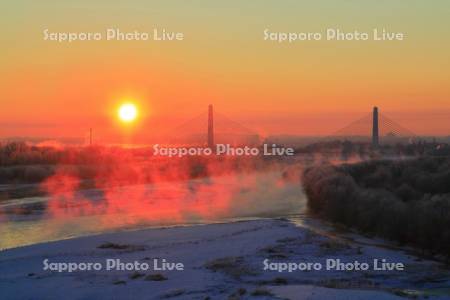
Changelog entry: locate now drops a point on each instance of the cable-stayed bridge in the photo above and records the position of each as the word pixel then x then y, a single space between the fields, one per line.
pixel 375 125
pixel 211 127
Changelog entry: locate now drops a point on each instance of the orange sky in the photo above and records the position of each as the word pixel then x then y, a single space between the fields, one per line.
pixel 61 89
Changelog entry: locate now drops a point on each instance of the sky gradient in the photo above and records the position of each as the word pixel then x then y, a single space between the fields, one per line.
pixel 308 88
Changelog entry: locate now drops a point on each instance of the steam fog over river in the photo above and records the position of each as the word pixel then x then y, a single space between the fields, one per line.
pixel 223 199
pixel 220 199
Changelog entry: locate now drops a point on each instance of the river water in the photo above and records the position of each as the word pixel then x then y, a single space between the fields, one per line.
pixel 201 201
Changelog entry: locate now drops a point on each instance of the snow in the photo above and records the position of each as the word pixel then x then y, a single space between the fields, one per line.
pixel 220 260
pixel 311 292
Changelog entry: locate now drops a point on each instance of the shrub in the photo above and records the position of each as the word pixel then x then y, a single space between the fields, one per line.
pixel 405 201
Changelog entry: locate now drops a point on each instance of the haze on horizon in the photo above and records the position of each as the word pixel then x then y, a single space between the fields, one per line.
pixel 308 88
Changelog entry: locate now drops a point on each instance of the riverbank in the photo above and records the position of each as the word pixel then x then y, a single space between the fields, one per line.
pixel 219 261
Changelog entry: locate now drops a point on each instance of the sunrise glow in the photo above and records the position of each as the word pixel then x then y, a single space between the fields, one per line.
pixel 127 112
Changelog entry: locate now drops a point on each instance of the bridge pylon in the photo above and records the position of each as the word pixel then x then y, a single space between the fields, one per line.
pixel 210 127
pixel 375 128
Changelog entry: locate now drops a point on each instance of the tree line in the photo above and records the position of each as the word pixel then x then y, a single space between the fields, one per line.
pixel 407 201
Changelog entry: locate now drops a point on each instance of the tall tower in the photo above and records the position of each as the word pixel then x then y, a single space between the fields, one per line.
pixel 210 127
pixel 375 131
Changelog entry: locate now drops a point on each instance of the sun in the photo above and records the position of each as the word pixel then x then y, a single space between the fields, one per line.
pixel 127 112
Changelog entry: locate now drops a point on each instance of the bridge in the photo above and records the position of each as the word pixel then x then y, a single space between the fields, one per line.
pixel 375 125
pixel 211 127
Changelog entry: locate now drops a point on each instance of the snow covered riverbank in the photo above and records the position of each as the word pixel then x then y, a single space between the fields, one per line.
pixel 219 261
